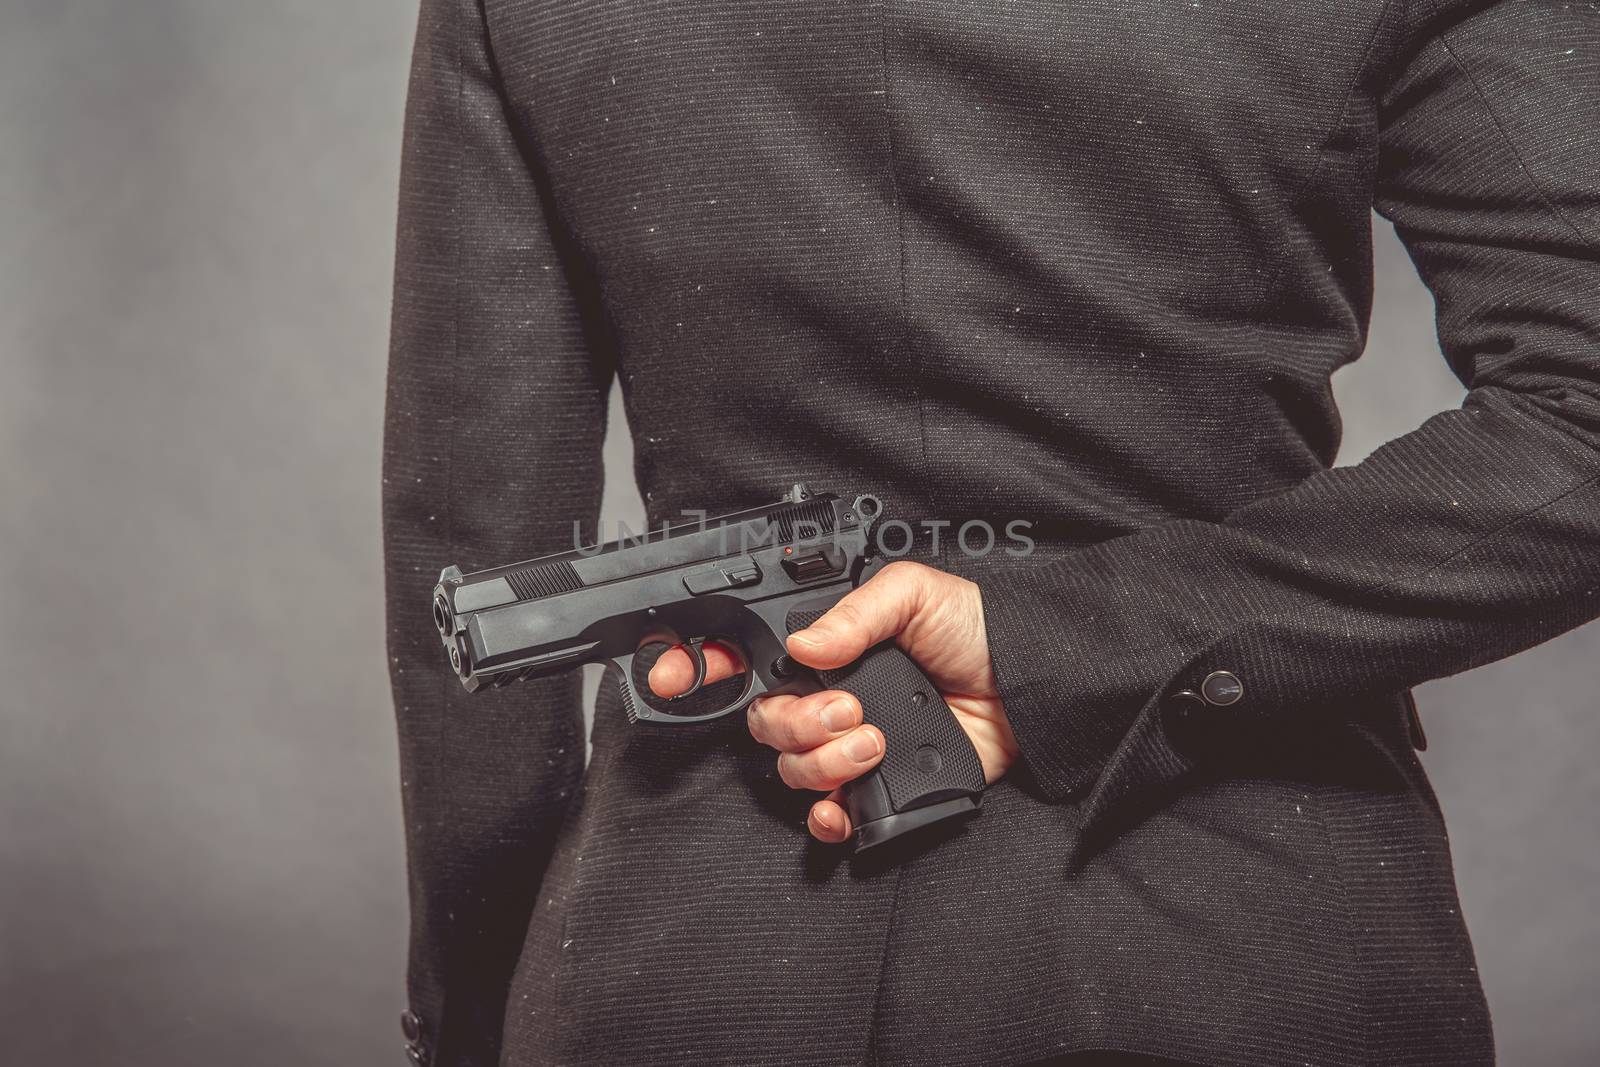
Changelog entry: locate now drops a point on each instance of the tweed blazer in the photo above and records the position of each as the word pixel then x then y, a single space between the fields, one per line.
pixel 1084 263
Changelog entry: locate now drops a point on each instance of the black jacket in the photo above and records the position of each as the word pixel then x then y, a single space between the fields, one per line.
pixel 1086 264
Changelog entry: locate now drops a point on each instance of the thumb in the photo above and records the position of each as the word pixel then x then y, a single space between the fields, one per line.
pixel 877 611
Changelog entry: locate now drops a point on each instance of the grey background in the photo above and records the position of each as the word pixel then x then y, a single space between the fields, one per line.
pixel 200 848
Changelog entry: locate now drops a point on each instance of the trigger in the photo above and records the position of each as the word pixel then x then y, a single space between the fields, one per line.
pixel 696 653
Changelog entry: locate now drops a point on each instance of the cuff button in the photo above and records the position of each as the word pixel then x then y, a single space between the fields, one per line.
pixel 410 1025
pixel 1184 701
pixel 417 1055
pixel 1221 688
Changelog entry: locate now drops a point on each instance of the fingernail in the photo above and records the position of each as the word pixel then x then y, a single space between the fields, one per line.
pixel 823 821
pixel 839 715
pixel 861 745
pixel 813 635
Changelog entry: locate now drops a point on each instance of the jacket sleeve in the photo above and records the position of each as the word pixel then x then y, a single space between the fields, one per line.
pixel 494 423
pixel 1464 541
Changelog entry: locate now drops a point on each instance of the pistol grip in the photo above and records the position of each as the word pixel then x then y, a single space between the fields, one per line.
pixel 930 773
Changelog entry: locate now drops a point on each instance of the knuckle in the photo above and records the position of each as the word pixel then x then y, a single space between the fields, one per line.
pixel 837 769
pixel 789 730
pixel 794 771
pixel 910 582
pixel 902 569
pixel 816 723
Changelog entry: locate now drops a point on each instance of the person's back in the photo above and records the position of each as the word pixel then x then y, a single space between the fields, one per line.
pixel 1087 267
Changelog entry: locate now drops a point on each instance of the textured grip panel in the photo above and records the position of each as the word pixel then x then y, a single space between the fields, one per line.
pixel 929 757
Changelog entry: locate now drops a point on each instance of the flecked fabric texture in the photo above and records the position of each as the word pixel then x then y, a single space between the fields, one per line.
pixel 1088 265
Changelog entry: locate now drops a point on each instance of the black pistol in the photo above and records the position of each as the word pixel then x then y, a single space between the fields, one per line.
pixel 746 581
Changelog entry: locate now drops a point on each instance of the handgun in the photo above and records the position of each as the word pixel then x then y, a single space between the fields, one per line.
pixel 745 580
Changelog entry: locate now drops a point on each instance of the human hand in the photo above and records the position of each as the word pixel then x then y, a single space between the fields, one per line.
pixel 936 618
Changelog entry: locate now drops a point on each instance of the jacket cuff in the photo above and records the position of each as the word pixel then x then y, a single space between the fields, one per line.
pixel 1095 659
